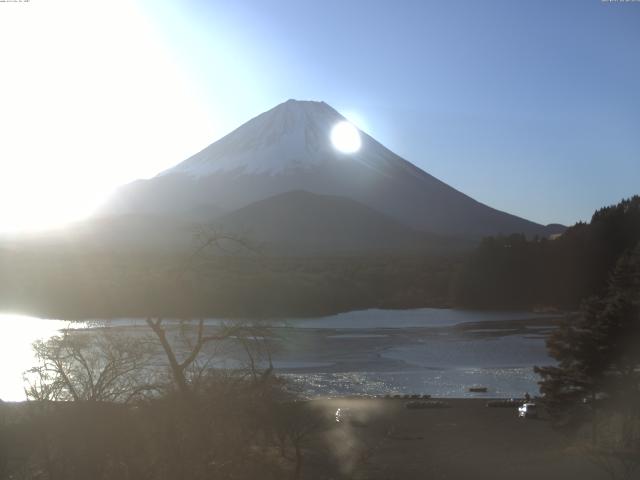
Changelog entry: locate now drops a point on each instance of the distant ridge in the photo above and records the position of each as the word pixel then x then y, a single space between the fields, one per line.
pixel 300 222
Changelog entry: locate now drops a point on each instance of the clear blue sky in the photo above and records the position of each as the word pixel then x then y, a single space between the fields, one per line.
pixel 530 106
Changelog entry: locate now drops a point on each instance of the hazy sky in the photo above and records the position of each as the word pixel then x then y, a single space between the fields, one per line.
pixel 532 107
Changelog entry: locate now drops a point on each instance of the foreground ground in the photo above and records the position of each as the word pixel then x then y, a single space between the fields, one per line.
pixel 221 438
pixel 467 440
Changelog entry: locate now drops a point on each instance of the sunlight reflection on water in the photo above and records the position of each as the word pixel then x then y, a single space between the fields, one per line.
pixel 16 355
pixel 454 383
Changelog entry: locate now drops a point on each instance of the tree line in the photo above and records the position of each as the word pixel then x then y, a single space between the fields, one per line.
pixel 80 284
pixel 515 272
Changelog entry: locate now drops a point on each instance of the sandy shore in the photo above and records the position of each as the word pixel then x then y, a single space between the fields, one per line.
pixel 467 440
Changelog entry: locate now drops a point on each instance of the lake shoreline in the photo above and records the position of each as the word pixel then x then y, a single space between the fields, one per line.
pixel 75 318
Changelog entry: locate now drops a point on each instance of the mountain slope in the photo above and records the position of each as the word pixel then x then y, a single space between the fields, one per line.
pixel 300 222
pixel 288 148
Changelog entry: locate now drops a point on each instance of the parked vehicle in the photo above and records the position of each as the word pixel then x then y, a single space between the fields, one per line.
pixel 528 410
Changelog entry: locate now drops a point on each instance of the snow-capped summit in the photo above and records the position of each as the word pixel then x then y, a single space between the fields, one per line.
pixel 291 137
pixel 295 134
pixel 288 148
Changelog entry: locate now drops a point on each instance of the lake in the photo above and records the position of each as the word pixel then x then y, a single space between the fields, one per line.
pixel 441 352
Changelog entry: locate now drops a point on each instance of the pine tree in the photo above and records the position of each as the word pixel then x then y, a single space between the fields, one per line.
pixel 598 352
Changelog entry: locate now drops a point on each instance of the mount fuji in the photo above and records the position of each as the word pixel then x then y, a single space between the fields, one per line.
pixel 288 149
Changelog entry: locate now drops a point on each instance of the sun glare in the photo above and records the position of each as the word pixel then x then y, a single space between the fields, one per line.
pixel 345 137
pixel 91 99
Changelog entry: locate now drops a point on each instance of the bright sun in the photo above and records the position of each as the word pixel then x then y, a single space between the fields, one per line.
pixel 345 137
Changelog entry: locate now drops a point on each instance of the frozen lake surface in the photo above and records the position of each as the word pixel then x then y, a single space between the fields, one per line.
pixel 441 352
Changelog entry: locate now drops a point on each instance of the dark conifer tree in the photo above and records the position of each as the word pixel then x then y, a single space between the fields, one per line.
pixel 598 351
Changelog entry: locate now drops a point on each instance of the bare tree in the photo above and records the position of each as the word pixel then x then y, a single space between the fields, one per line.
pixel 179 367
pixel 99 365
pixel 187 358
pixel 295 423
pixel 188 351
